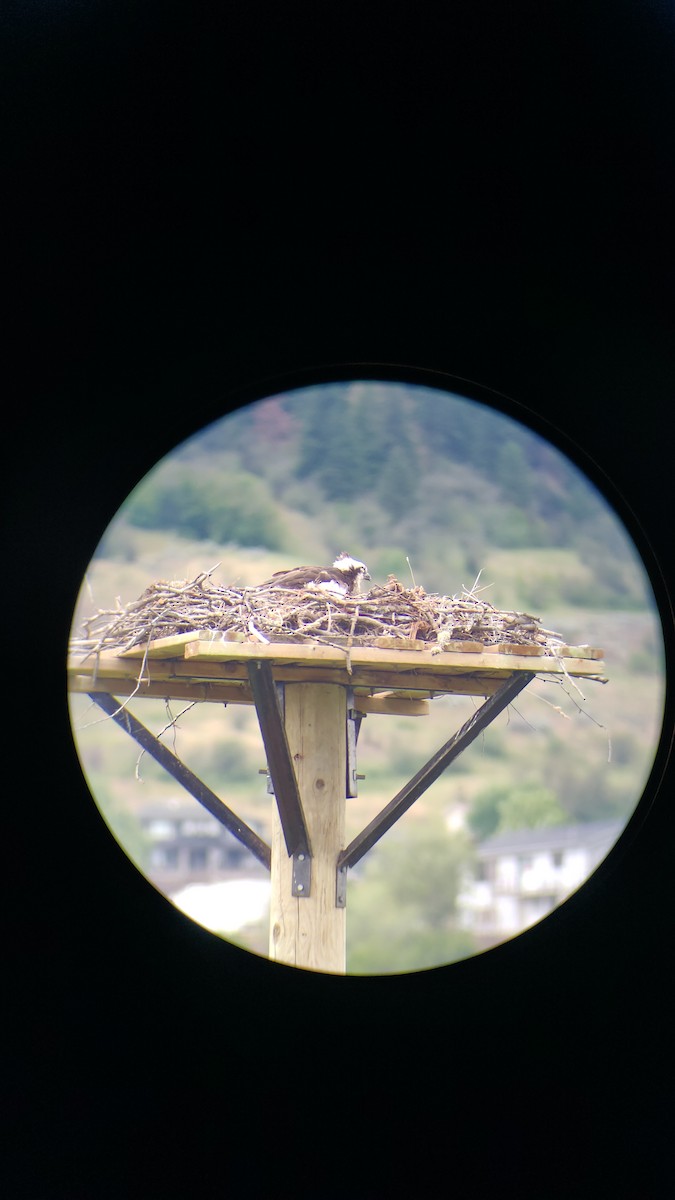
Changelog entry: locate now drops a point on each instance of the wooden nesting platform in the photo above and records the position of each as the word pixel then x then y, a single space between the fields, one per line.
pixel 393 675
pixel 309 727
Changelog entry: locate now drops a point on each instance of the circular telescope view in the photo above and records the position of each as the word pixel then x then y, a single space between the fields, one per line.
pixel 366 677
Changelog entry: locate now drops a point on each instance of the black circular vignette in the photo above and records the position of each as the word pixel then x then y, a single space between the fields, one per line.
pixel 179 245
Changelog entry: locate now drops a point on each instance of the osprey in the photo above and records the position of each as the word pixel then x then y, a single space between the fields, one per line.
pixel 343 578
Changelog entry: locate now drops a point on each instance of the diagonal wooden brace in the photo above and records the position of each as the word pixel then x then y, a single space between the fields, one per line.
pixel 429 773
pixel 282 771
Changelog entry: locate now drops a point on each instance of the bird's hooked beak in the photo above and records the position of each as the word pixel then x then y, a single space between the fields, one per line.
pixel 366 574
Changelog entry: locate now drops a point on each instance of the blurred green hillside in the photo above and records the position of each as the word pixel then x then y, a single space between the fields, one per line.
pixel 389 473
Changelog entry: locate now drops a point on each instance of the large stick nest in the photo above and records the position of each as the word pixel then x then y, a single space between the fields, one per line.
pixel 276 614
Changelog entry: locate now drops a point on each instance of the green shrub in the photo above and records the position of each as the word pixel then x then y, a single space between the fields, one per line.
pixel 511 528
pixel 229 762
pixel 525 806
pixel 232 507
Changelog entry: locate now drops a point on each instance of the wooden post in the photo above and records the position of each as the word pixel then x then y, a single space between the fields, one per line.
pixel 310 931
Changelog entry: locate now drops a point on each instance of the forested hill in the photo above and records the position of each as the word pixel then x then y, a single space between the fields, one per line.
pixel 388 471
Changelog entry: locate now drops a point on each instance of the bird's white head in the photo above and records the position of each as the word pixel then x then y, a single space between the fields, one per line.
pixel 354 566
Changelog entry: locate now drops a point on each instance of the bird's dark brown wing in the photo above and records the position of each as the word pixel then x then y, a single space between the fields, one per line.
pixel 296 577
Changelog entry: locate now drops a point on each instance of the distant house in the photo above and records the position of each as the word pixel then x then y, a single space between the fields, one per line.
pixel 519 877
pixel 188 845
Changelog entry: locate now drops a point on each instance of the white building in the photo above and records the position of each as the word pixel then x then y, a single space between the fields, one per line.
pixel 187 845
pixel 519 877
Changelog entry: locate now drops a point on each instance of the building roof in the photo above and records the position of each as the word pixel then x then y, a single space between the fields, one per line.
pixel 552 837
pixel 177 810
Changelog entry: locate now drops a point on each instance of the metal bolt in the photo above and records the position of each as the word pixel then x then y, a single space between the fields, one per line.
pixel 300 887
pixel 301 858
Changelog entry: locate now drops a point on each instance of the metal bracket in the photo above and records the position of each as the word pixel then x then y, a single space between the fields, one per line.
pixel 353 725
pixel 301 880
pixel 354 719
pixel 302 874
pixel 269 702
pixel 341 887
pixel 281 695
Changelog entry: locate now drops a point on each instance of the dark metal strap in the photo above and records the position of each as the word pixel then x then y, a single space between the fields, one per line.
pixel 238 828
pixel 433 769
pixel 279 759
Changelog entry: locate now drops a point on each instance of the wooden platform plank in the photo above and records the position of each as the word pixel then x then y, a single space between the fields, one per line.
pixel 164 647
pixel 394 643
pixel 210 644
pixel 432 660
pixel 365 667
pixel 460 647
pixel 408 705
pixel 400 706
pixel 169 689
pixel 205 650
pixel 588 652
pixel 512 648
